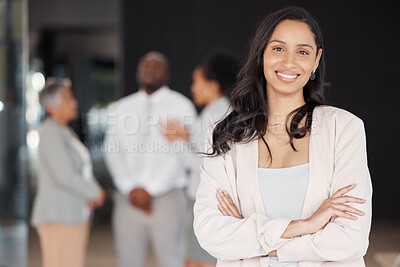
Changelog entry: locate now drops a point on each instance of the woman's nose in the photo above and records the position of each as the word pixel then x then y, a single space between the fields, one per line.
pixel 289 61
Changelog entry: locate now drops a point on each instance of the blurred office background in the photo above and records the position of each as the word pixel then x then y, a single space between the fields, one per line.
pixel 98 43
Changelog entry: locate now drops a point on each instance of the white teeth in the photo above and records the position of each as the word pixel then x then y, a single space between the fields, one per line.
pixel 287 76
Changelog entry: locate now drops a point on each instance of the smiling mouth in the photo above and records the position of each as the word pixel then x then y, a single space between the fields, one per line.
pixel 286 77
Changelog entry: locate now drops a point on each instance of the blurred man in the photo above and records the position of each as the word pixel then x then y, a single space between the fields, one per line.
pixel 149 208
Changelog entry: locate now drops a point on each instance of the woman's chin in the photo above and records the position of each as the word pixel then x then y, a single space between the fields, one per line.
pixel 74 116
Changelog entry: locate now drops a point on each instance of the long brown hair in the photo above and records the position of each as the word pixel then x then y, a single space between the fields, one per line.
pixel 249 117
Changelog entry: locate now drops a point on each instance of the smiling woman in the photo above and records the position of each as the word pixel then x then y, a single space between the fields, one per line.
pixel 291 56
pixel 289 173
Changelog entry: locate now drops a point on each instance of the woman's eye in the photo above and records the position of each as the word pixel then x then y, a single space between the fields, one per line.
pixel 303 52
pixel 279 49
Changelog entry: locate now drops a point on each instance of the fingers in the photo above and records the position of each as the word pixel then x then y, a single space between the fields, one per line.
pixel 343 191
pixel 348 199
pixel 173 129
pixel 91 205
pixel 231 205
pixel 223 203
pixel 347 208
pixel 171 126
pixel 273 253
pixel 222 210
pixel 226 205
pixel 163 127
pixel 343 214
pixel 148 208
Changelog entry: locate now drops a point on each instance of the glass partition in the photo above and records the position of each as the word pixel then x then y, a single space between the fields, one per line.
pixel 13 149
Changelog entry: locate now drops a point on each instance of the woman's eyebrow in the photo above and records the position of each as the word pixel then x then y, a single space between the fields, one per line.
pixel 282 42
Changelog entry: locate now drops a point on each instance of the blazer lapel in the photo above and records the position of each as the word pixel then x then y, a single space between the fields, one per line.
pixel 77 159
pixel 74 152
pixel 320 165
pixel 247 178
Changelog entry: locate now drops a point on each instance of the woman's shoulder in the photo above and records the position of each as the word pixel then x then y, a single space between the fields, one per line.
pixel 50 127
pixel 50 133
pixel 335 115
pixel 336 121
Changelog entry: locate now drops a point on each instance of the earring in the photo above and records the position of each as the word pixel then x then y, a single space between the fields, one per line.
pixel 312 77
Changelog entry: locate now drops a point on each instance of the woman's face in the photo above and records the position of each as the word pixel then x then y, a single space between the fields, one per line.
pixel 68 106
pixel 200 87
pixel 289 58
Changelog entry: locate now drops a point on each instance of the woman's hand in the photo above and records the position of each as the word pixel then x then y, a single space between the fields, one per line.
pixel 226 205
pixel 97 203
pixel 228 208
pixel 334 207
pixel 173 130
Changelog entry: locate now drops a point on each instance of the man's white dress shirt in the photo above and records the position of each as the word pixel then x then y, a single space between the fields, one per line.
pixel 138 155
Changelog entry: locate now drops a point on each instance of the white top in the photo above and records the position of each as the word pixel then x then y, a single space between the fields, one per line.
pixel 283 192
pixel 137 153
pixel 210 115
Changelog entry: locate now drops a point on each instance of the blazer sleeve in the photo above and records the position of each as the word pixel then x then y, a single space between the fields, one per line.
pixel 225 237
pixel 57 159
pixel 342 239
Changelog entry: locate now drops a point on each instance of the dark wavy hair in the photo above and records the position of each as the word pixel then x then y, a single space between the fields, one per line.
pixel 249 117
pixel 222 66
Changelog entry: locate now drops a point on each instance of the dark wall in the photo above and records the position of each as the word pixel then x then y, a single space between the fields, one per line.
pixel 361 49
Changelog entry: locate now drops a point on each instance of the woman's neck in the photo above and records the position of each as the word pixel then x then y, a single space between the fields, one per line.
pixel 59 119
pixel 279 107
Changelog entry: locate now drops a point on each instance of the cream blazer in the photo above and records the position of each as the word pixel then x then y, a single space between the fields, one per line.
pixel 337 158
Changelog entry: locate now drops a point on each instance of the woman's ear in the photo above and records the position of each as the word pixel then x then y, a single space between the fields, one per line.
pixel 51 110
pixel 215 87
pixel 319 54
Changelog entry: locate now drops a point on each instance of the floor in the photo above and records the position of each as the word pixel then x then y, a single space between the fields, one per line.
pixel 383 250
pixel 13 240
pixel 100 251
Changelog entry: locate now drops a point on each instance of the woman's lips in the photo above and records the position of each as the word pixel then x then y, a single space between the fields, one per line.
pixel 287 76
